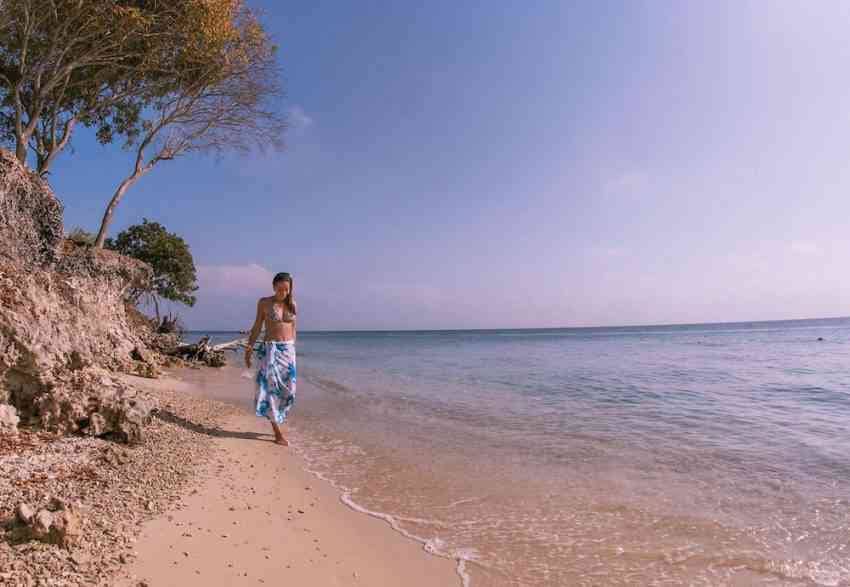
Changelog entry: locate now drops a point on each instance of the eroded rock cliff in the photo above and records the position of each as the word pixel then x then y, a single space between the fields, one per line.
pixel 63 323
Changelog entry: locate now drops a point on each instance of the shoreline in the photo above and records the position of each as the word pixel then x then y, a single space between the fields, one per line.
pixel 428 546
pixel 252 504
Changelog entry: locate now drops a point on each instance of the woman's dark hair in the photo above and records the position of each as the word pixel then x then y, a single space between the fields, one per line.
pixel 290 299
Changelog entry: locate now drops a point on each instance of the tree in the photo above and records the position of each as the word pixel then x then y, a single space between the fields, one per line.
pixel 227 104
pixel 95 62
pixel 168 254
pixel 63 61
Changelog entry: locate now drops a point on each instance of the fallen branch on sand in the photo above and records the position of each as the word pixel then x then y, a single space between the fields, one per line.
pixel 201 351
pixel 239 343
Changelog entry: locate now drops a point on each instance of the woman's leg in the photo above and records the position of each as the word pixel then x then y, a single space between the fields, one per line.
pixel 278 437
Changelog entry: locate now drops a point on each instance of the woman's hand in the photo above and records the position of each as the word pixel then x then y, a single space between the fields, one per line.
pixel 248 353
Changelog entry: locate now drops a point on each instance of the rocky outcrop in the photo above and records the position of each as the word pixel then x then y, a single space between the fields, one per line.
pixel 30 217
pixel 90 401
pixel 63 320
pixel 59 523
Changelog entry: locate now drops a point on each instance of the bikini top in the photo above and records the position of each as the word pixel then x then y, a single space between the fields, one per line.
pixel 278 314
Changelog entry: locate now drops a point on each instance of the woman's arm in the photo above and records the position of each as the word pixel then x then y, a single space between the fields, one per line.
pixel 255 332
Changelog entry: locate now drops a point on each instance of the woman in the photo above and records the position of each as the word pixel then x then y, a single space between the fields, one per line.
pixel 276 356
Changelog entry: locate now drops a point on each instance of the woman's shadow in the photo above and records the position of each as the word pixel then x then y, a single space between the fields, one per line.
pixel 173 418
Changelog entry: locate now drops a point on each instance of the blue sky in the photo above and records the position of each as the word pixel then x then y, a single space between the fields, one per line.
pixel 472 165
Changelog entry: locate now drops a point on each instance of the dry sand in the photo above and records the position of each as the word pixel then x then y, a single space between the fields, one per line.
pixel 255 516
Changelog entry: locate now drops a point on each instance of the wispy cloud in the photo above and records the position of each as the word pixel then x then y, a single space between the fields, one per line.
pixel 299 120
pixel 805 248
pixel 235 280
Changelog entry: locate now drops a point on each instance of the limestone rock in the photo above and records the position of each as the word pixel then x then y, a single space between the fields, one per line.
pixel 8 419
pixel 146 370
pixel 63 318
pixel 141 354
pixel 24 513
pixel 30 216
pixel 94 402
pixel 59 523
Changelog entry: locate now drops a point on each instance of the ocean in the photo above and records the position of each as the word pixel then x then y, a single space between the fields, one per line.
pixel 710 454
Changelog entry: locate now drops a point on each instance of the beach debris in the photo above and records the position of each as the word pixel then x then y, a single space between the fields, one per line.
pixel 201 351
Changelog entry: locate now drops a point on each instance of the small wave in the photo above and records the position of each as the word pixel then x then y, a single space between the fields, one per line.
pixel 434 546
pixel 462 502
pixel 819 572
pixel 825 573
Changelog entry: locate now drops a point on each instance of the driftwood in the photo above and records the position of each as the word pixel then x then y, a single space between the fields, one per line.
pixel 239 343
pixel 204 352
pixel 201 351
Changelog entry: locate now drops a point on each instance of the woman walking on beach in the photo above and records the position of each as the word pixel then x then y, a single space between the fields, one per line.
pixel 275 378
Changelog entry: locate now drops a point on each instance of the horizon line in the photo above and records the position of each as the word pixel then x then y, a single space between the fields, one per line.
pixel 621 326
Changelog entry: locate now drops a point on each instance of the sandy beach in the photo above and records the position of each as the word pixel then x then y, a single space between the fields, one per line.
pixel 253 515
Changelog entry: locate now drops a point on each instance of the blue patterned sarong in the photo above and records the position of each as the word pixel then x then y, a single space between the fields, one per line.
pixel 275 380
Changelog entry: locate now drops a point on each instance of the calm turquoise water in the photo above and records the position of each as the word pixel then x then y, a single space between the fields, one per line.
pixel 704 454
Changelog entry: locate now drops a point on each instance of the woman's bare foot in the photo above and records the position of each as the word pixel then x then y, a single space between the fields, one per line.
pixel 278 437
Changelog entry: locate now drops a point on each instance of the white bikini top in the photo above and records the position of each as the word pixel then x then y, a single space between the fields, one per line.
pixel 278 314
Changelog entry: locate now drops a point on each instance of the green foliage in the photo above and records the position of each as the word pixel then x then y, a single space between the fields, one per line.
pixel 169 256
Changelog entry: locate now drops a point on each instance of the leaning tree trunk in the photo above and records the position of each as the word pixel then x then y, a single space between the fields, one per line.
pixel 139 169
pixel 113 203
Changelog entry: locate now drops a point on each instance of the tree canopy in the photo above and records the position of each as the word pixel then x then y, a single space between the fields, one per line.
pixel 102 63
